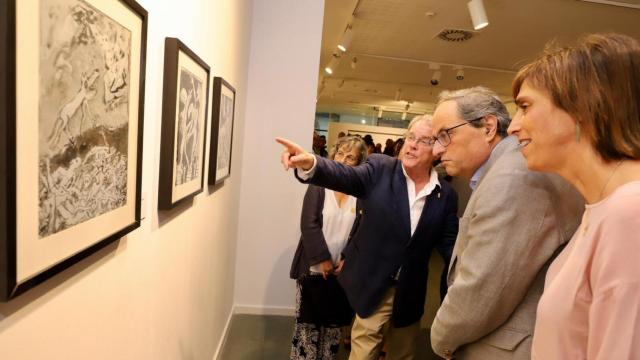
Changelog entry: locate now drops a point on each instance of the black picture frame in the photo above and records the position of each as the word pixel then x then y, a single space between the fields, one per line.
pixel 78 240
pixel 176 181
pixel 222 122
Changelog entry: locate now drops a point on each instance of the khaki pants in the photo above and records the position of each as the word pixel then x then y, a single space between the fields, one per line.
pixel 367 333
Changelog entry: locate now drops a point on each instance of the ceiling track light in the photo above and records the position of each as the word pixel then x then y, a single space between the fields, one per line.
pixel 435 79
pixel 478 14
pixel 398 94
pixel 331 66
pixel 345 41
pixel 460 74
pixel 354 63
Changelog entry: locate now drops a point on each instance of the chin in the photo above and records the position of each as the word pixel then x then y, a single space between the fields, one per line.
pixel 527 153
pixel 407 162
pixel 451 170
pixel 537 166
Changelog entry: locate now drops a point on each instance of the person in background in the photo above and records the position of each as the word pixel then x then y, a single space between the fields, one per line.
pixel 514 224
pixel 371 147
pixel 323 146
pixel 398 147
pixel 319 145
pixel 579 116
pixel 322 307
pixel 378 149
pixel 405 213
pixel 389 148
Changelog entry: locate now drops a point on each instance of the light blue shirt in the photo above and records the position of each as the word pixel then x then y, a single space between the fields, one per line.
pixel 473 183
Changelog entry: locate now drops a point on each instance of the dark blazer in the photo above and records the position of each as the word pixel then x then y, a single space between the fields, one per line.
pixel 382 242
pixel 312 247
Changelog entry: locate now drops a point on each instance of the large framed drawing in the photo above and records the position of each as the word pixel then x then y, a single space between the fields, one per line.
pixel 72 96
pixel 224 99
pixel 184 114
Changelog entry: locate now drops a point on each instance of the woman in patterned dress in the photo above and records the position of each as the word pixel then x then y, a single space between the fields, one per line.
pixel 322 308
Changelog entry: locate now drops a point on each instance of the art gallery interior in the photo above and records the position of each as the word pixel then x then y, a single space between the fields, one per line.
pixel 170 288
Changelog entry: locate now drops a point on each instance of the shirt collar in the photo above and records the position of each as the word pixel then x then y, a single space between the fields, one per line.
pixel 431 185
pixel 473 183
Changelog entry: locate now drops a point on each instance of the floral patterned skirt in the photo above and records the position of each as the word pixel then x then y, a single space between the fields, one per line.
pixel 322 309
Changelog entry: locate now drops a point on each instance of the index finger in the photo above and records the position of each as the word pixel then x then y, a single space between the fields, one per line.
pixel 290 145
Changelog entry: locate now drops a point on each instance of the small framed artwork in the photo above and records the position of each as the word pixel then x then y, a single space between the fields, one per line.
pixel 224 99
pixel 72 100
pixel 184 114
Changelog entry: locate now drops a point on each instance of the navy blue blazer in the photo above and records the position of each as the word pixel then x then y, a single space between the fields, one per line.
pixel 382 242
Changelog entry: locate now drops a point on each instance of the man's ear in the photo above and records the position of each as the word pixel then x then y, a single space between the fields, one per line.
pixel 490 127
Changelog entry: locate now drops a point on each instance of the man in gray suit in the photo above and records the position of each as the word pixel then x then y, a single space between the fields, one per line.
pixel 515 223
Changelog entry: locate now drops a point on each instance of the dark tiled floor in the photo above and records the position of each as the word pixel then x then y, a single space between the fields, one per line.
pixel 267 337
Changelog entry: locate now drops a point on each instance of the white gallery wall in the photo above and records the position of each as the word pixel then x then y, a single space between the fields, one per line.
pixel 165 291
pixel 283 70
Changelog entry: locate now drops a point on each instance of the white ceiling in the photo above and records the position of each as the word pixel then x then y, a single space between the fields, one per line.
pixel 395 40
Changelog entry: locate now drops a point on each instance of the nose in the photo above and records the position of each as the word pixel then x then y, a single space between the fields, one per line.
pixel 438 149
pixel 515 125
pixel 411 144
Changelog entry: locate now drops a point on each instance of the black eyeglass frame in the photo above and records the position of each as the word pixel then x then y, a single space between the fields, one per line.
pixel 445 133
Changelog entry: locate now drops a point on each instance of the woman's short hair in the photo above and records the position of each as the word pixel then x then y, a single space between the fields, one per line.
pixel 348 142
pixel 597 82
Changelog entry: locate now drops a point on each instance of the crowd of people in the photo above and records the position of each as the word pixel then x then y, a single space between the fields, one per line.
pixel 541 265
pixel 392 148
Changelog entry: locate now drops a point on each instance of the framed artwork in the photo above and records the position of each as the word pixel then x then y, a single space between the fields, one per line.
pixel 224 99
pixel 184 115
pixel 72 94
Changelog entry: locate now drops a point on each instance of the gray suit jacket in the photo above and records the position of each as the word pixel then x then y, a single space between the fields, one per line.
pixel 514 225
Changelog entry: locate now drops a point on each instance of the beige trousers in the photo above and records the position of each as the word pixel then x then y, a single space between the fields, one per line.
pixel 367 334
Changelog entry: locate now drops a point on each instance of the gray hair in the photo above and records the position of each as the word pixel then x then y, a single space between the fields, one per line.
pixel 349 142
pixel 476 102
pixel 419 118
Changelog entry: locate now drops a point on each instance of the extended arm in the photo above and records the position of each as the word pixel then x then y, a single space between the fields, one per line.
pixel 327 173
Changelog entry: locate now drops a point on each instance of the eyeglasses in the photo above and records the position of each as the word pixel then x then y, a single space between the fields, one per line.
pixel 423 141
pixel 342 156
pixel 444 136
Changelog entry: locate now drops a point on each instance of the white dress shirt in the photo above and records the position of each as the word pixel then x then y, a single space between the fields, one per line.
pixel 417 201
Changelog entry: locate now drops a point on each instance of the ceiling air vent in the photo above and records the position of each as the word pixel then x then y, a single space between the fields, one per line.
pixel 455 35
